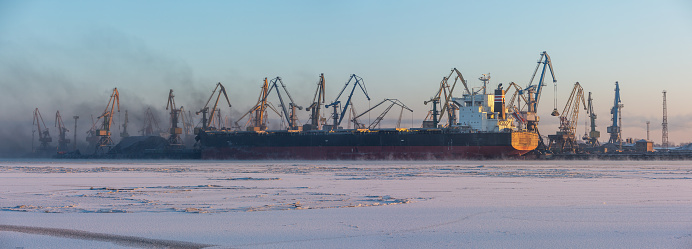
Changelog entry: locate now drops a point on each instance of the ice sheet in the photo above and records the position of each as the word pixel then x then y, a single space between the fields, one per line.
pixel 517 204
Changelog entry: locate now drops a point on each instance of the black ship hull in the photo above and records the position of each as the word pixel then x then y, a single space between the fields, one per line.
pixel 365 144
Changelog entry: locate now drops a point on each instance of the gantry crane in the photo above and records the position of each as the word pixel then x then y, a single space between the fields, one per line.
pixel 104 134
pixel 207 124
pixel 62 130
pixel 43 133
pixel 443 97
pixel 565 139
pixel 336 104
pixel 381 116
pixel 592 138
pixel 316 119
pixel 174 131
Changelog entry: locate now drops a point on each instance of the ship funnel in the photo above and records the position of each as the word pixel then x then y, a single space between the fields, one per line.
pixel 499 106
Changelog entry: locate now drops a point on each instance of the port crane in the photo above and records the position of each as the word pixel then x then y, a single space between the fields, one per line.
pixel 357 81
pixel 151 123
pixel 175 131
pixel 392 103
pixel 127 120
pixel 316 119
pixel 207 124
pixel 91 137
pixel 614 130
pixel 291 118
pixel 515 109
pixel 534 92
pixel 443 97
pixel 592 138
pixel 104 133
pixel 62 130
pixel 565 139
pixel 43 133
pixel 258 113
pixel 531 95
pixel 188 122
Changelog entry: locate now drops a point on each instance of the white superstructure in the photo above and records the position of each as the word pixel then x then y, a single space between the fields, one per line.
pixel 476 113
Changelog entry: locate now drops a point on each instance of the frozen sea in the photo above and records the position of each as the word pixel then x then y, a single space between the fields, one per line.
pixel 345 204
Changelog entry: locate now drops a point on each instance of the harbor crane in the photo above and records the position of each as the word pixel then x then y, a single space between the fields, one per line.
pixel 531 96
pixel 515 108
pixel 74 145
pixel 62 130
pixel 379 118
pixel 188 122
pixel 316 119
pixel 336 104
pixel 614 130
pixel 91 137
pixel 43 133
pixel 174 131
pixel 104 133
pixel 443 97
pixel 127 120
pixel 291 118
pixel 534 92
pixel 592 137
pixel 207 124
pixel 151 123
pixel 565 139
pixel 258 113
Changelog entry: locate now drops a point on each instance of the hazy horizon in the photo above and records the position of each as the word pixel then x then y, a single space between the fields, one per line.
pixel 69 55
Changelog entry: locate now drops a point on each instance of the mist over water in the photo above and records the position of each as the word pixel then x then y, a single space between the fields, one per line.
pixel 77 78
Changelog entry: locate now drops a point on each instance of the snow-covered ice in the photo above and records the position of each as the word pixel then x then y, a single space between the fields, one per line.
pixel 320 204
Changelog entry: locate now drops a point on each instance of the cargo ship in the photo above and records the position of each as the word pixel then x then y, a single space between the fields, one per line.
pixel 418 144
pixel 480 127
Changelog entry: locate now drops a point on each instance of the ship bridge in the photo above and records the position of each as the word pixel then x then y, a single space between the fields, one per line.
pixel 481 112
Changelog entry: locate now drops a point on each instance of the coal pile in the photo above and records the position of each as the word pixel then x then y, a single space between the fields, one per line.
pixel 139 145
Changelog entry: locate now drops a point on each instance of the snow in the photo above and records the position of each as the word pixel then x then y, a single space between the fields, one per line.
pixel 346 204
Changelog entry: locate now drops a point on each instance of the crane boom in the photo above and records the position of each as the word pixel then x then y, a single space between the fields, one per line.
pixel 593 134
pixel 317 102
pixel 43 133
pixel 565 139
pixel 62 130
pixel 174 132
pixel 614 129
pixel 291 119
pixel 547 63
pixel 206 124
pixel 443 97
pixel 104 134
pixel 358 82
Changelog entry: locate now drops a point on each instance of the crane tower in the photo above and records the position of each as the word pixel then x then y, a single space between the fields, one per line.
pixel 614 130
pixel 664 125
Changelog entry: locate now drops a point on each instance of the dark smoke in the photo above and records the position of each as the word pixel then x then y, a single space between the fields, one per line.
pixel 78 79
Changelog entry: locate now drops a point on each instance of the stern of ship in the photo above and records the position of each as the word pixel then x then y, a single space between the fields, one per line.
pixel 524 141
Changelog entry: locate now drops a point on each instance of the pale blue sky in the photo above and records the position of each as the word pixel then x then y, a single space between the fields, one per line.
pixel 68 55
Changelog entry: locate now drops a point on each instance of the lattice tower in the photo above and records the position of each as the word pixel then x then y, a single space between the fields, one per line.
pixel 664 125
